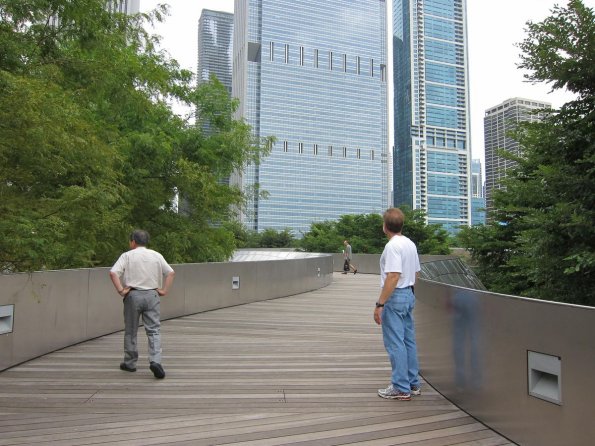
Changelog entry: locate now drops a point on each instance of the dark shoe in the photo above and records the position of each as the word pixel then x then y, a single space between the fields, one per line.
pixel 157 370
pixel 355 272
pixel 124 367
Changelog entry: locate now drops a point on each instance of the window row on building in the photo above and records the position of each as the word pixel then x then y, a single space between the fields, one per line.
pixel 336 151
pixel 331 60
pixel 452 208
pixel 445 162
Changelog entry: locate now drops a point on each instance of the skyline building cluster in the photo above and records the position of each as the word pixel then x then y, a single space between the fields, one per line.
pixel 324 96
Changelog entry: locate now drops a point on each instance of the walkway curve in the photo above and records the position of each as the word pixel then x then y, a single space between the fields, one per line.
pixel 297 370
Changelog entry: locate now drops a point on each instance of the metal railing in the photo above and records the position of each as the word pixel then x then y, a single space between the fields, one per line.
pixel 523 367
pixel 45 311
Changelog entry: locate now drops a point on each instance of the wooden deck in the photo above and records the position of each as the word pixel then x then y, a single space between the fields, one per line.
pixel 301 370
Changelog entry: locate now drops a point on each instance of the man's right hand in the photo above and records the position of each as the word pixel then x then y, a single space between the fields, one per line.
pixel 378 315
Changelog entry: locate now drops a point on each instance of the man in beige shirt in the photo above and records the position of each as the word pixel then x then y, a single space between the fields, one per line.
pixel 138 277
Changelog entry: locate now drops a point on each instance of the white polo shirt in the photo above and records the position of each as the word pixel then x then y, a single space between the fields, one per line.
pixel 400 256
pixel 141 268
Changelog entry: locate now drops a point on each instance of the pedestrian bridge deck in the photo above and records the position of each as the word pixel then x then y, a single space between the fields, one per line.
pixel 297 370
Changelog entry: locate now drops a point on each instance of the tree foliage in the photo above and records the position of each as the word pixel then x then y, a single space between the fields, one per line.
pixel 90 147
pixel 269 238
pixel 540 242
pixel 364 232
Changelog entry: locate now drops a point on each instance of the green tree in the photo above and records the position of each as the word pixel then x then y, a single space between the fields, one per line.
pixel 429 238
pixel 271 238
pixel 322 237
pixel 542 230
pixel 364 232
pixel 90 147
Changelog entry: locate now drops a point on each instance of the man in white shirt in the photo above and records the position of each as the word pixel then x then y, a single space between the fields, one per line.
pixel 138 277
pixel 399 265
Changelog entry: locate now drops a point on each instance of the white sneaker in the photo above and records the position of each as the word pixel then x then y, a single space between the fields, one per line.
pixel 393 393
pixel 415 390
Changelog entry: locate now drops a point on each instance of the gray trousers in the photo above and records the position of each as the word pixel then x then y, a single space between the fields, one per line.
pixel 146 304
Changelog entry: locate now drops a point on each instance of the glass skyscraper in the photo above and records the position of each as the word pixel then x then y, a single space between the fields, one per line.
pixel 215 49
pixel 432 154
pixel 313 74
pixel 497 123
pixel 478 203
pixel 215 53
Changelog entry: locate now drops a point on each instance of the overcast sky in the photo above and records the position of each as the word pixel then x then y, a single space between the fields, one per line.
pixel 493 30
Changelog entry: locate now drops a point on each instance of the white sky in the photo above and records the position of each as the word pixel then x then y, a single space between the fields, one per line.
pixel 493 29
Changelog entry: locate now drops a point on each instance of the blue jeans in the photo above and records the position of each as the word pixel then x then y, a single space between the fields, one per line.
pixel 398 333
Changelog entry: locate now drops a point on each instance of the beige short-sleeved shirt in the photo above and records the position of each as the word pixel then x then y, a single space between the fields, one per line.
pixel 142 269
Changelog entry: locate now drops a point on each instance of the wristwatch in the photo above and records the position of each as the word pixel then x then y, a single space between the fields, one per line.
pixel 379 305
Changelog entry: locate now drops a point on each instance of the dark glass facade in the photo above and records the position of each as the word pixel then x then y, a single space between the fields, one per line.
pixel 431 157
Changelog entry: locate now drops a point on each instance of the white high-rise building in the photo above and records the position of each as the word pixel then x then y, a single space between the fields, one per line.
pixel 497 123
pixel 478 202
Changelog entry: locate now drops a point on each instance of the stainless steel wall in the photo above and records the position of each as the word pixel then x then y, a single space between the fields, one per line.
pixel 365 263
pixel 56 309
pixel 473 348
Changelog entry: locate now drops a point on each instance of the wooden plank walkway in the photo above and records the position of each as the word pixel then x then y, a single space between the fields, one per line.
pixel 301 370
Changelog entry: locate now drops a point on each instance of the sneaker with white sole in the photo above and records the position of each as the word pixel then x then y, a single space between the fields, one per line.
pixel 392 393
pixel 415 390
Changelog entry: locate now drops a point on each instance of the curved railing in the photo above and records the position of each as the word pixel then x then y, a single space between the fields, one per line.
pixel 523 367
pixel 45 311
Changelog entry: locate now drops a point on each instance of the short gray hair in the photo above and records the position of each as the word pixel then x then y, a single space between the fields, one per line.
pixel 140 237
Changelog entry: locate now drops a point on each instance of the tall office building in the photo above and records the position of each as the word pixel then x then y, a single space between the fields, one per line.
pixel 476 180
pixel 432 153
pixel 478 204
pixel 215 39
pixel 123 6
pixel 497 123
pixel 118 6
pixel 313 74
